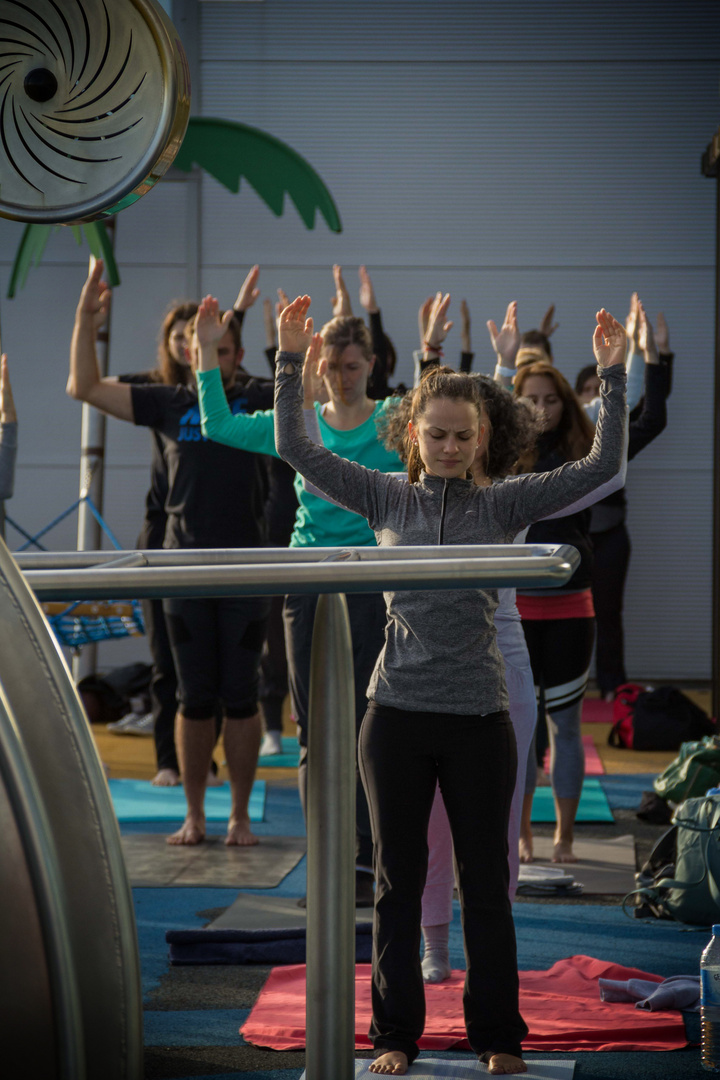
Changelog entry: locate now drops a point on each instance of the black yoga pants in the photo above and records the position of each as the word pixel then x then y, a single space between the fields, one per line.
pixel 611 558
pixel 402 757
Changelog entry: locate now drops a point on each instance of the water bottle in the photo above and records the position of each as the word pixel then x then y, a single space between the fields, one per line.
pixel 710 1003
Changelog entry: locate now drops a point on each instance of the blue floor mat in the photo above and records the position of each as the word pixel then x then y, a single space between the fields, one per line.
pixel 624 792
pixel 593 804
pixel 288 759
pixel 138 800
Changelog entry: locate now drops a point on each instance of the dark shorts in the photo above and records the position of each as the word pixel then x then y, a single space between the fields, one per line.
pixel 216 645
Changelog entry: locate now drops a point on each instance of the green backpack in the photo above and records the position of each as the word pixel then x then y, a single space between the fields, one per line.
pixel 689 891
pixel 695 769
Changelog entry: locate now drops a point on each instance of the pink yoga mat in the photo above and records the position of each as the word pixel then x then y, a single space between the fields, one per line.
pixel 562 1008
pixel 593 764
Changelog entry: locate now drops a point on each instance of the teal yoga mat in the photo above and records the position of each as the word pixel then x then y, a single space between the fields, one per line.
pixel 138 800
pixel 288 759
pixel 593 804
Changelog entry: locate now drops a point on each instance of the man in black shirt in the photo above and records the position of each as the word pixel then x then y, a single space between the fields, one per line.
pixel 214 499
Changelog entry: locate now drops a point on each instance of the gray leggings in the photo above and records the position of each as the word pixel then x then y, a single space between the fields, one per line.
pixel 560 652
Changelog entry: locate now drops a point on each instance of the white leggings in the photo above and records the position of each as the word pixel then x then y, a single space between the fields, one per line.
pixel 437 897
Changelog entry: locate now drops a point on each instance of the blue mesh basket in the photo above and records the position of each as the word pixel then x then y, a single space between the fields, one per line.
pixel 83 622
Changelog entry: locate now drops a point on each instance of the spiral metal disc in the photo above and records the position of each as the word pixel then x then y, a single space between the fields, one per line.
pixel 94 103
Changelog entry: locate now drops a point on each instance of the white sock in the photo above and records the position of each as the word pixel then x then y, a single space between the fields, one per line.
pixel 436 955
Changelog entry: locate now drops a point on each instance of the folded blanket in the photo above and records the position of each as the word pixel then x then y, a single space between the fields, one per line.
pixel 677 992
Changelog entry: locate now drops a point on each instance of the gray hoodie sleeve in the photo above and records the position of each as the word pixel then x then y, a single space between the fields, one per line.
pixel 533 496
pixel 8 454
pixel 365 491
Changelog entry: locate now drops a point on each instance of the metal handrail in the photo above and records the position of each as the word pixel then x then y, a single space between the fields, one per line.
pixel 67 560
pixel 537 567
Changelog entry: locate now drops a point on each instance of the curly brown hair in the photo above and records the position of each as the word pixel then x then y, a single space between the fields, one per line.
pixel 575 430
pixel 514 425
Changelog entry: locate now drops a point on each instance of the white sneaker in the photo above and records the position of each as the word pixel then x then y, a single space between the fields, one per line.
pixel 132 724
pixel 271 744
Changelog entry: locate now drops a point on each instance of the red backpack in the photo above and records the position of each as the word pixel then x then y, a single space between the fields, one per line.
pixel 623 729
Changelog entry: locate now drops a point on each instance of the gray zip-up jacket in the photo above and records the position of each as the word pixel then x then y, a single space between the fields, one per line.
pixel 440 652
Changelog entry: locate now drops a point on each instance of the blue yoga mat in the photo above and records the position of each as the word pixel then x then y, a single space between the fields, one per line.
pixel 593 804
pixel 138 800
pixel 288 759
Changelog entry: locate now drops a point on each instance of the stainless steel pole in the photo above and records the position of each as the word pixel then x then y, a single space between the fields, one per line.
pixel 57 560
pixel 92 472
pixel 126 582
pixel 330 1000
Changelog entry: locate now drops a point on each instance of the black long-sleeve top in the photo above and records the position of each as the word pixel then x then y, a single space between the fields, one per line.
pixel 647 421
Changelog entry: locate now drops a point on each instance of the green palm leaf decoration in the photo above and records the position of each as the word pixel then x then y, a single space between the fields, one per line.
pixel 231 151
pixel 32 246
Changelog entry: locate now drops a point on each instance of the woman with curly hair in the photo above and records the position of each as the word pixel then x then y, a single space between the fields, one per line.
pixel 512 428
pixel 437 699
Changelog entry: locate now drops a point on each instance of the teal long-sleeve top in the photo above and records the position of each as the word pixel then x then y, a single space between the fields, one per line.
pixel 318 523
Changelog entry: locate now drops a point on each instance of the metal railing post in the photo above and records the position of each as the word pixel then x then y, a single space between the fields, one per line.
pixel 330 1002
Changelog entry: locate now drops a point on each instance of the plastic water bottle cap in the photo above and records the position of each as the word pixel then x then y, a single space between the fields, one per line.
pixel 716 929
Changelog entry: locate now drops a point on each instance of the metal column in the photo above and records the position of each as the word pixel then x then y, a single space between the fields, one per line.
pixel 330 1038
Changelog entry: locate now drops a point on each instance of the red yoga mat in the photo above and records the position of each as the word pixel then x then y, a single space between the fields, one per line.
pixel 593 762
pixel 562 1008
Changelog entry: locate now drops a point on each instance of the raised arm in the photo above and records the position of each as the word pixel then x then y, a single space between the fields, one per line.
pixel 346 482
pixel 505 343
pixel 368 301
pixel 244 431
pixel 633 363
pixel 340 302
pixel 84 382
pixel 249 291
pixel 535 496
pixel 466 353
pixel 653 417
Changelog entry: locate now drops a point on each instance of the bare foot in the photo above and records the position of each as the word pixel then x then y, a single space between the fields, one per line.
pixel 191 832
pixel 563 852
pixel 394 1063
pixel 525 849
pixel 213 780
pixel 239 834
pixel 504 1064
pixel 166 778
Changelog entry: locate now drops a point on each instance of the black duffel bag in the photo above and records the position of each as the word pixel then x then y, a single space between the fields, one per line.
pixel 659 719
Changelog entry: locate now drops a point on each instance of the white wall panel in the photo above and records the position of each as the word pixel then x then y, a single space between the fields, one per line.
pixel 667 602
pixel 478 165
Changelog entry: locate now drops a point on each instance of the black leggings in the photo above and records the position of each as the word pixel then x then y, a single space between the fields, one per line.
pixel 403 755
pixel 611 558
